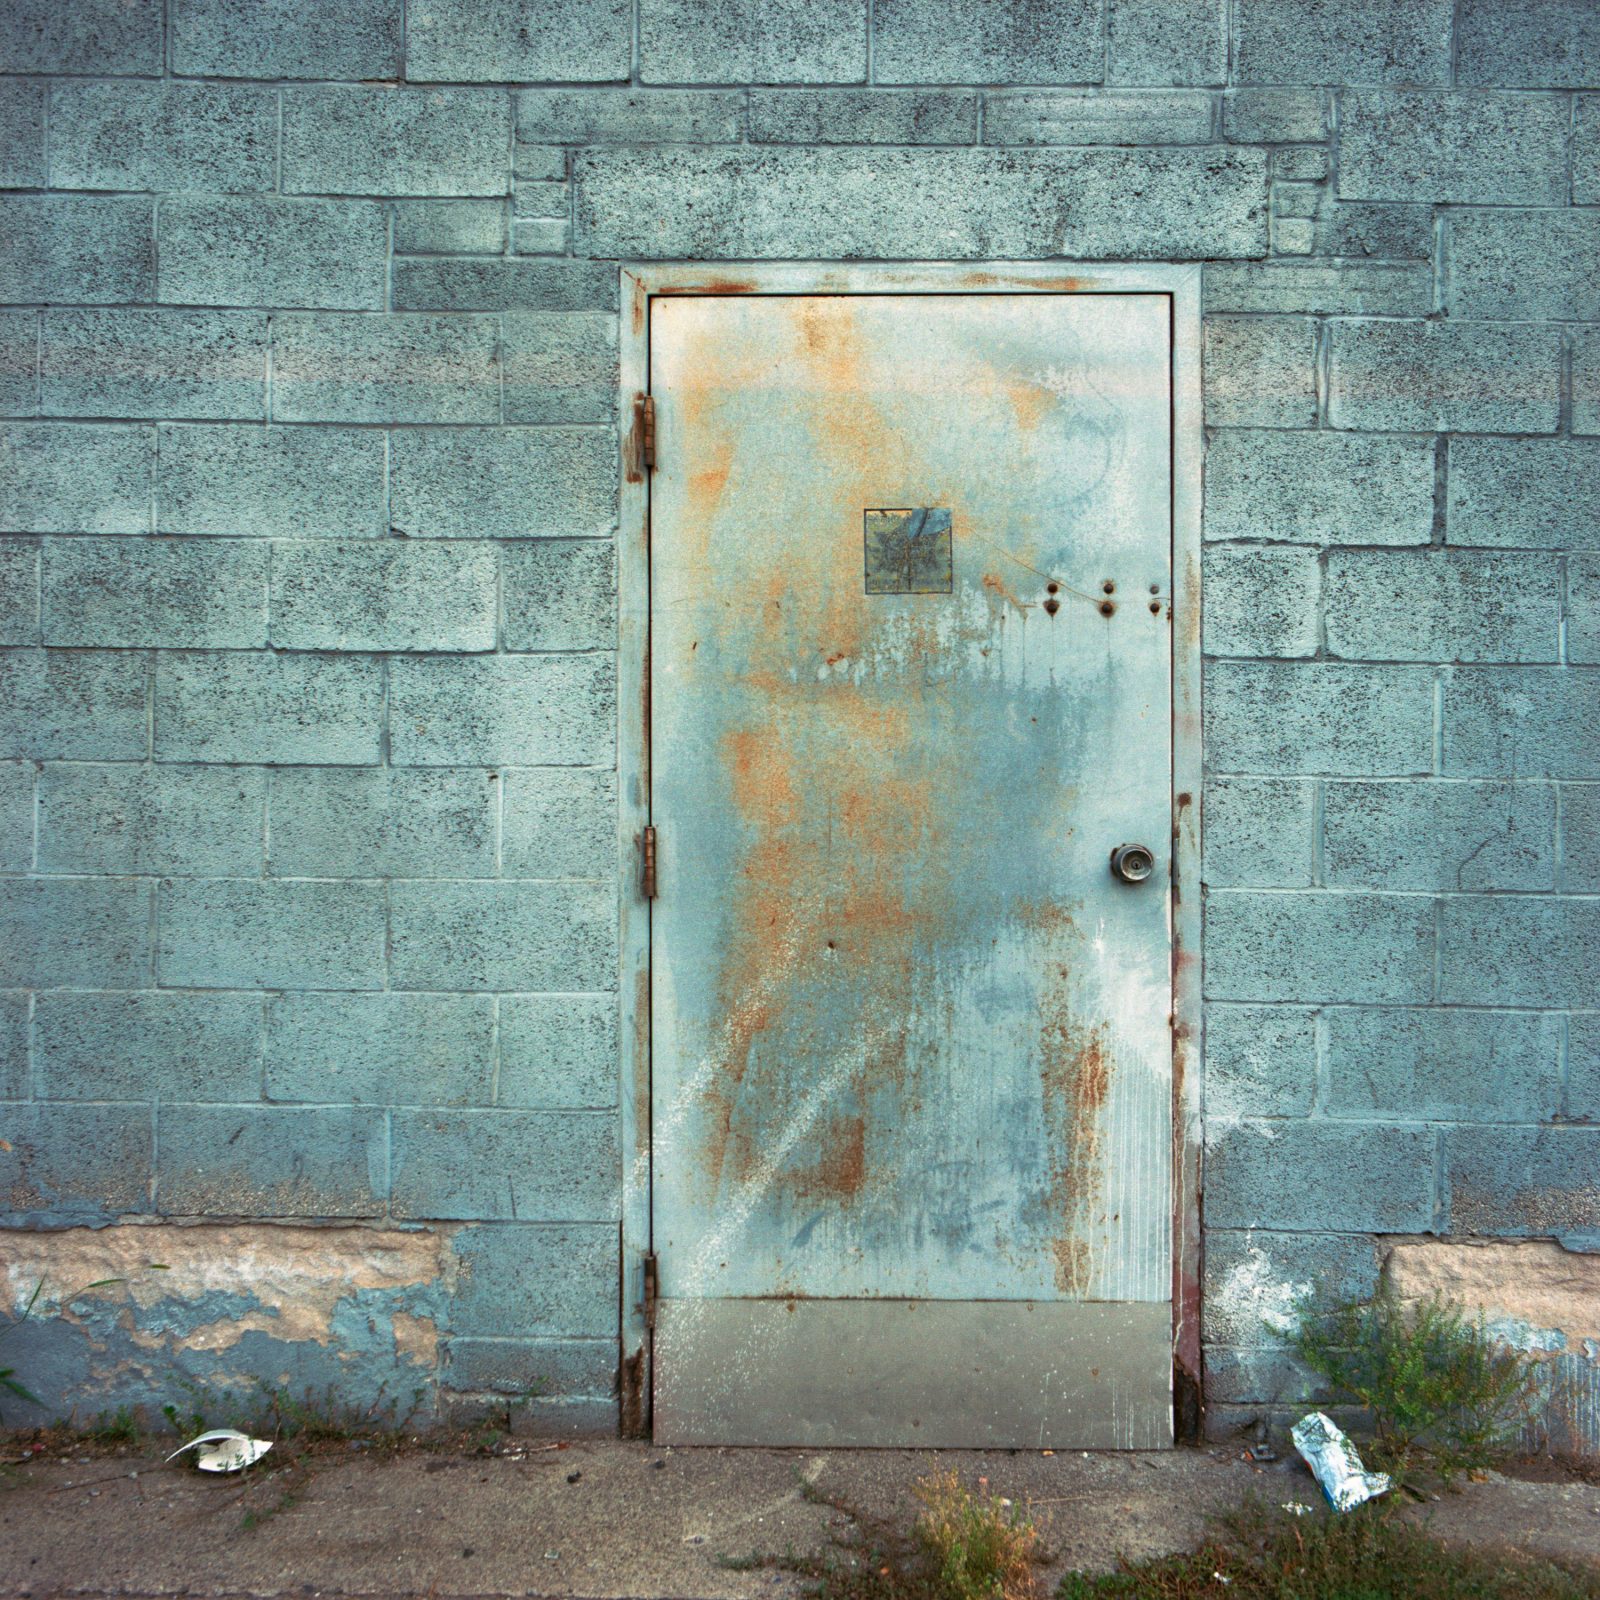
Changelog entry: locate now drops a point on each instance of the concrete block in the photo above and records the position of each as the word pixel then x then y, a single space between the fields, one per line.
pixel 1541 44
pixel 1522 1181
pixel 887 204
pixel 164 820
pixel 1318 945
pixel 1444 1066
pixel 541 236
pixel 14 1025
pixel 21 134
pixel 78 248
pixel 538 162
pixel 384 594
pixel 1275 116
pixel 145 1046
pixel 560 594
pixel 559 822
pixel 559 1051
pixel 505 286
pixel 512 483
pixel 988 41
pixel 462 934
pixel 1260 602
pixel 297 39
pixel 755 41
pixel 60 478
pixel 65 1163
pixel 1261 371
pixel 1342 41
pixel 91 37
pixel 1472 148
pixel 1583 1067
pixel 380 1049
pixel 1297 1175
pixel 1261 1061
pixel 1429 835
pixel 450 227
pixel 520 1166
pixel 376 822
pixel 1357 288
pixel 1353 229
pixel 16 816
pixel 266 251
pixel 302 483
pixel 1521 722
pixel 1483 377
pixel 19 591
pixel 167 364
pixel 1350 721
pixel 543 201
pixel 88 933
pixel 1299 201
pixel 1586 150
pixel 244 933
pixel 1258 833
pixel 19 363
pixel 163 136
pixel 137 592
pixel 1304 165
pixel 1580 841
pixel 863 116
pixel 502 710
pixel 331 368
pixel 1519 950
pixel 1586 381
pixel 1293 236
pixel 76 705
pixel 1320 488
pixel 536 1281
pixel 350 139
pixel 225 706
pixel 270 1161
pixel 1537 265
pixel 631 116
pixel 1097 116
pixel 1256 1282
pixel 512 41
pixel 560 366
pixel 1583 609
pixel 531 1366
pixel 1442 605
pixel 1262 1377
pixel 1166 42
pixel 1534 494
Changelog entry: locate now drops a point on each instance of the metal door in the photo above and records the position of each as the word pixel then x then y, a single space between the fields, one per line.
pixel 910 684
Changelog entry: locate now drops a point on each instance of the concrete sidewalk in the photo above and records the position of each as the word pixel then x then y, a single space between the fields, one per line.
pixel 611 1519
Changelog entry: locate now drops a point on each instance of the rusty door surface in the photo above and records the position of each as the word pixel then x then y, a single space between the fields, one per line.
pixel 911 1049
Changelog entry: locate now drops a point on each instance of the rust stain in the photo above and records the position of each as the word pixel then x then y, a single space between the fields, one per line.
pixel 994 584
pixel 633 1396
pixel 710 286
pixel 1030 401
pixel 840 1171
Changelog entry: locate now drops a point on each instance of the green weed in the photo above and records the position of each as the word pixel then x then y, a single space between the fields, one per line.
pixel 1442 1396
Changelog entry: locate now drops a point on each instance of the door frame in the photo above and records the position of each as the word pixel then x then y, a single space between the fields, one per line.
pixel 639 285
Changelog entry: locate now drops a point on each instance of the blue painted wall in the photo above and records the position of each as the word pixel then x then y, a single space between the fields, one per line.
pixel 307 487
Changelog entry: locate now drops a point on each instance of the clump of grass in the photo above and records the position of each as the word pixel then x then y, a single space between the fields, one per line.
pixel 1264 1554
pixel 981 1547
pixel 1442 1395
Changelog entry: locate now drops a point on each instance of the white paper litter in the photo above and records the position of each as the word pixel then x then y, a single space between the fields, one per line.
pixel 224 1450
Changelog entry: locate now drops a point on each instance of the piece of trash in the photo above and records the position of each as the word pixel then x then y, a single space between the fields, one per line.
pixel 552 1555
pixel 573 1477
pixel 1262 1452
pixel 224 1450
pixel 1297 1508
pixel 1335 1464
pixel 1222 1577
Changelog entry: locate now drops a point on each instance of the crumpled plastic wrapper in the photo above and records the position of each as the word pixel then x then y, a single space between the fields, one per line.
pixel 1335 1464
pixel 224 1450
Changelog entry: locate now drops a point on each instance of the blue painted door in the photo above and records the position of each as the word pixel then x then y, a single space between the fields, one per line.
pixel 910 687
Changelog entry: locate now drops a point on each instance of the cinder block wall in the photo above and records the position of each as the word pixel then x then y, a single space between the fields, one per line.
pixel 307 491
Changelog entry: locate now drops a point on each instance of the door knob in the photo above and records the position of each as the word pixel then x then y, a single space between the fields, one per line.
pixel 1132 863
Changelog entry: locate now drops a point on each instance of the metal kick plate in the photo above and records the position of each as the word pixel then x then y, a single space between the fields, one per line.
pixel 996 1374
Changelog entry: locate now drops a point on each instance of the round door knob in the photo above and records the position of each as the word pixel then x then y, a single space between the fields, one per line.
pixel 1132 863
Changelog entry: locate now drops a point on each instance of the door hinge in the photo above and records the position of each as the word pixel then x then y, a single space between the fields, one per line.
pixel 647 876
pixel 650 1289
pixel 645 417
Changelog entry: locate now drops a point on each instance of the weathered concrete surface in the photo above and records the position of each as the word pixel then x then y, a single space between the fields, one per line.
pixel 637 1522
